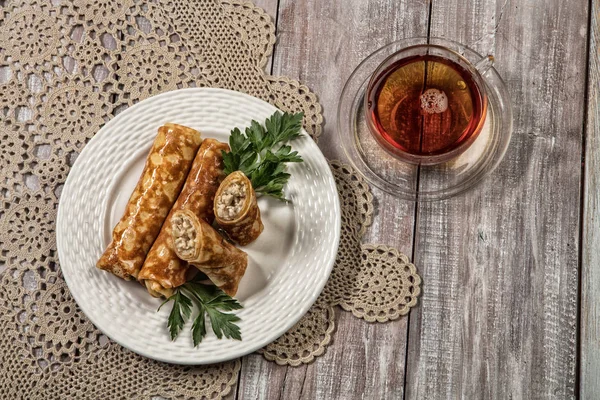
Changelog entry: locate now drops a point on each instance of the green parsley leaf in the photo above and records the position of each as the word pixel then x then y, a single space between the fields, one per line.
pixel 231 162
pixel 199 326
pixel 289 127
pixel 260 152
pixel 225 302
pixel 256 134
pixel 284 127
pixel 181 311
pixel 274 124
pixel 210 300
pixel 283 155
pixel 224 324
pixel 237 141
pixel 213 301
pixel 249 163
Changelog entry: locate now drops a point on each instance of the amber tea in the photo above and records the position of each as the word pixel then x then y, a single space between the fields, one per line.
pixel 425 105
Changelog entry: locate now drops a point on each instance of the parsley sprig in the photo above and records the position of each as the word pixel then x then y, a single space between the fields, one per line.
pixel 210 301
pixel 260 152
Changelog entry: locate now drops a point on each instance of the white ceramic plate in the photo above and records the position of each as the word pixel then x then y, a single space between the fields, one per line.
pixel 288 265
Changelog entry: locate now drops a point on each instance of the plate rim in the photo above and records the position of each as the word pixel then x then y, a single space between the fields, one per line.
pixel 328 264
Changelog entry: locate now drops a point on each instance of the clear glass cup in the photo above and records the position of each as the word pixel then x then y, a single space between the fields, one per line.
pixel 418 53
pixel 427 177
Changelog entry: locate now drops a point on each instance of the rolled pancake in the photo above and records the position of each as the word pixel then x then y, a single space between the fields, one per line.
pixel 200 244
pixel 163 176
pixel 163 270
pixel 236 209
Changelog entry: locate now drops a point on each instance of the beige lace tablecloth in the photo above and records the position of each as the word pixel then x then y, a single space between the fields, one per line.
pixel 66 68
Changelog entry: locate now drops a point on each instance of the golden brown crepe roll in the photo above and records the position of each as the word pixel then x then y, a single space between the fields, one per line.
pixel 200 244
pixel 165 171
pixel 163 270
pixel 236 210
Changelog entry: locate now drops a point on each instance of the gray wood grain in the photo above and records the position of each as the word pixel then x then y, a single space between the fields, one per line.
pixel 320 43
pixel 499 264
pixel 589 384
pixel 270 7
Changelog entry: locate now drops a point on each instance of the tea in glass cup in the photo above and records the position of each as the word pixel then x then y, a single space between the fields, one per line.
pixel 426 104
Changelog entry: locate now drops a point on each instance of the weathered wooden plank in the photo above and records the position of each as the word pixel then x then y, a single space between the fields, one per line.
pixel 270 7
pixel 589 384
pixel 499 264
pixel 320 43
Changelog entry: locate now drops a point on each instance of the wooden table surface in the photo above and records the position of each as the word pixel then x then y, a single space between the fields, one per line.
pixel 511 271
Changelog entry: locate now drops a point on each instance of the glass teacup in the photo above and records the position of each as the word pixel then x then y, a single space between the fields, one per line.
pixel 426 104
pixel 457 146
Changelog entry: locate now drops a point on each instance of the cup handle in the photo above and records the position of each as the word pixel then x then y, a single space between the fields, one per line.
pixel 484 64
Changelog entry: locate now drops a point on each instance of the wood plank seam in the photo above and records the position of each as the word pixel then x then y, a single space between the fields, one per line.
pixel 415 231
pixel 586 378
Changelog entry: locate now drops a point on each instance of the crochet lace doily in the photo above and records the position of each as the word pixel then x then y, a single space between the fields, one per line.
pixel 67 67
